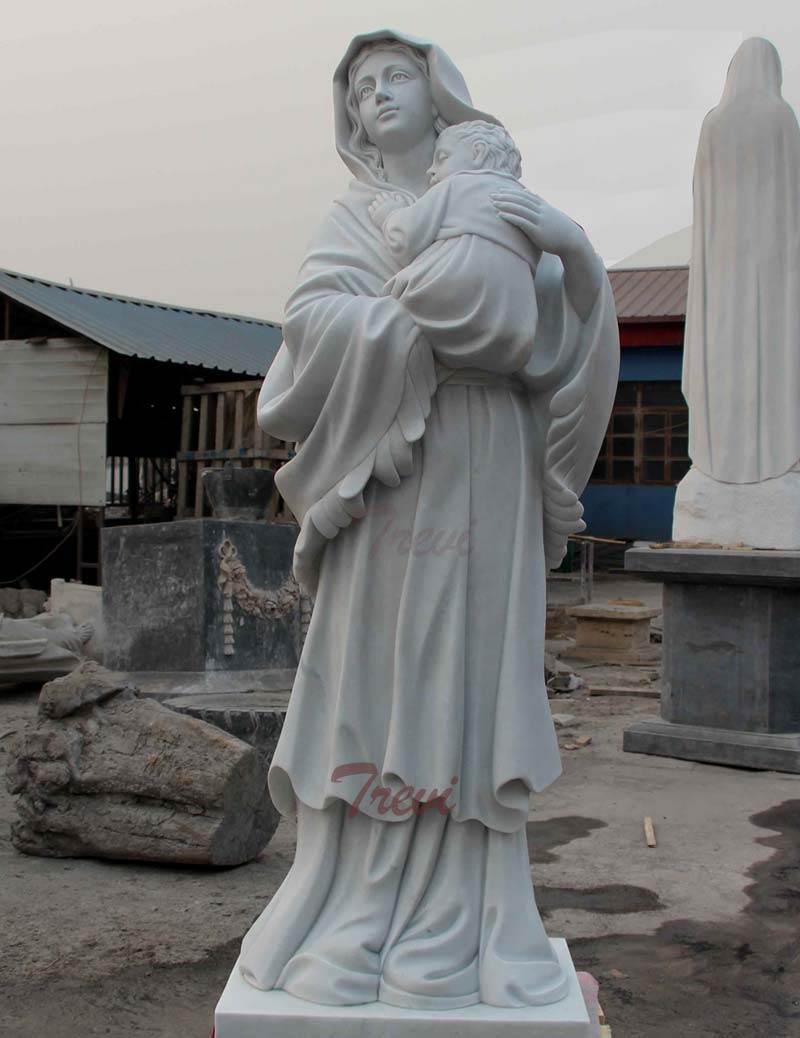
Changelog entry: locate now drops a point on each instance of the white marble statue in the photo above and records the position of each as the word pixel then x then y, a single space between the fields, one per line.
pixel 40 648
pixel 741 363
pixel 449 363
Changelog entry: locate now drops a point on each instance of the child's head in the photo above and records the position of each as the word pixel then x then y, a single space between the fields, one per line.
pixel 474 145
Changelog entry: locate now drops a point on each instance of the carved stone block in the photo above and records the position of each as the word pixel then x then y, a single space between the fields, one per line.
pixel 201 595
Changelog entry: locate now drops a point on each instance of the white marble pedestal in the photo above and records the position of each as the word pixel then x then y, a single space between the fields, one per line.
pixel 245 1012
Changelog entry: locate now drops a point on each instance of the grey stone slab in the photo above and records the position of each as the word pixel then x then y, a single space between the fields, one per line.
pixel 718 566
pixel 163 685
pixel 757 750
pixel 165 611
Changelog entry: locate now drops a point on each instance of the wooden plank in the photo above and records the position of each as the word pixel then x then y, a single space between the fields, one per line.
pixel 53 464
pixel 259 443
pixel 276 453
pixel 624 690
pixel 238 420
pixel 218 387
pixel 649 832
pixel 183 466
pixel 219 429
pixel 202 442
pixel 58 382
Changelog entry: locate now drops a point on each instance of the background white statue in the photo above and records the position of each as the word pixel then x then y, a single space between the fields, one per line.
pixel 437 476
pixel 741 368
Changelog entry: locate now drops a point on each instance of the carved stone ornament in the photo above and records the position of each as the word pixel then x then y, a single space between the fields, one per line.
pixel 235 586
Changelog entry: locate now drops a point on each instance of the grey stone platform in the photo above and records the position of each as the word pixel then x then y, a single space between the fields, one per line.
pixel 762 751
pixel 245 1012
pixel 166 684
pixel 731 645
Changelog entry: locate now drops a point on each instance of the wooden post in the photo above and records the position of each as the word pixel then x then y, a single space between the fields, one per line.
pixel 238 420
pixel 133 487
pixel 202 437
pixel 219 431
pixel 183 466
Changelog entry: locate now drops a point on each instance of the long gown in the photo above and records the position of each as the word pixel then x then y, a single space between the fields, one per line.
pixel 741 358
pixel 434 486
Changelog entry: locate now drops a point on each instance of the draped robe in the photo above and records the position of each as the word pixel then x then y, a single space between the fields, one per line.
pixel 429 516
pixel 741 357
pixel 436 478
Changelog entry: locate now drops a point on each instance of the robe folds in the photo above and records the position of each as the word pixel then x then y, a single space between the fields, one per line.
pixel 437 475
pixel 433 487
pixel 741 357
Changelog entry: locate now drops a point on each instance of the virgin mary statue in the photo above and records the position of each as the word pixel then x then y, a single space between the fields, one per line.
pixel 434 486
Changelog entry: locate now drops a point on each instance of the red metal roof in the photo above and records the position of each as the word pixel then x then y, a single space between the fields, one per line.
pixel 650 293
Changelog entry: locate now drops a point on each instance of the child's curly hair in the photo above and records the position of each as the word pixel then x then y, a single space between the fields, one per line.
pixel 503 154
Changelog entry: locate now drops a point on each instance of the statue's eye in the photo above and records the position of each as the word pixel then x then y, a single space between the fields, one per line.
pixel 399 76
pixel 365 91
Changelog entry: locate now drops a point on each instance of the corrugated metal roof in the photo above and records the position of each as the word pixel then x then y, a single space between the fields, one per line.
pixel 650 293
pixel 141 328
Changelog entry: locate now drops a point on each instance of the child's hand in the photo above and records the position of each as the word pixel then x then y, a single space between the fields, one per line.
pixel 383 205
pixel 547 227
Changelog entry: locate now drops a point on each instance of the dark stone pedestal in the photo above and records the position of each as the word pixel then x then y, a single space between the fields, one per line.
pixel 731 682
pixel 254 717
pixel 187 606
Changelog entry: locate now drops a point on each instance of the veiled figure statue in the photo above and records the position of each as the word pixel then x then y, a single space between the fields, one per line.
pixel 741 354
pixel 448 374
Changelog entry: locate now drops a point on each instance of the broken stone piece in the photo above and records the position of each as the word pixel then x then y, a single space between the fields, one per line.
pixel 565 683
pixel 104 773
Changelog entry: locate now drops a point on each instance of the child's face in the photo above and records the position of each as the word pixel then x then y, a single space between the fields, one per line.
pixel 451 155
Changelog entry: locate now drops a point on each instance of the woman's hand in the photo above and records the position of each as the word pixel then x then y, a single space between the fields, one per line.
pixel 547 227
pixel 553 231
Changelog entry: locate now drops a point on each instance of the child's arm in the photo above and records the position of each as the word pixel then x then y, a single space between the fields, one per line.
pixel 383 204
pixel 409 229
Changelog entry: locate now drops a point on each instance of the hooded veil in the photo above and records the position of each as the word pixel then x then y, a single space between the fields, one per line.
pixel 741 360
pixel 356 412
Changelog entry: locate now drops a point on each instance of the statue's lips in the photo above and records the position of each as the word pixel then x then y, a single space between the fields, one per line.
pixel 385 112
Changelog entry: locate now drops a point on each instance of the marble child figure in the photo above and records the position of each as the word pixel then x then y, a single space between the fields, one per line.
pixel 425 670
pixel 465 268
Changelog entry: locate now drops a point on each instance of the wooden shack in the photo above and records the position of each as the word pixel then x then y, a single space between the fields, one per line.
pixel 109 408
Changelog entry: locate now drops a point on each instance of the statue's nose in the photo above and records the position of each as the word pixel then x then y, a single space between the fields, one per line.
pixel 383 93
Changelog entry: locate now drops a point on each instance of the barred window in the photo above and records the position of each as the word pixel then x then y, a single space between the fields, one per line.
pixel 647 436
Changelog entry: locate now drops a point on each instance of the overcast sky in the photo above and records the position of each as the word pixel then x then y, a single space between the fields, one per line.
pixel 182 150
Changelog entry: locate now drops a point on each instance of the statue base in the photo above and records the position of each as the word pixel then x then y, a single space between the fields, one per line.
pixel 758 515
pixel 202 597
pixel 731 652
pixel 245 1012
pixel 761 751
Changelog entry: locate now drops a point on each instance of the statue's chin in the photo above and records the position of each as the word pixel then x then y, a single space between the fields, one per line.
pixel 397 134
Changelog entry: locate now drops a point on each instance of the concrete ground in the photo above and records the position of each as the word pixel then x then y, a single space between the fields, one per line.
pixel 697 936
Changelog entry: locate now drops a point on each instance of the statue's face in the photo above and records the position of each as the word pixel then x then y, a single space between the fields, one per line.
pixel 394 101
pixel 452 155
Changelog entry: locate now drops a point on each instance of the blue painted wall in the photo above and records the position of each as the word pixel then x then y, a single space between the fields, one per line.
pixel 628 512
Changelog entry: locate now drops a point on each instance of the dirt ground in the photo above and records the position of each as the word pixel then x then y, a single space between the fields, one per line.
pixel 697 936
